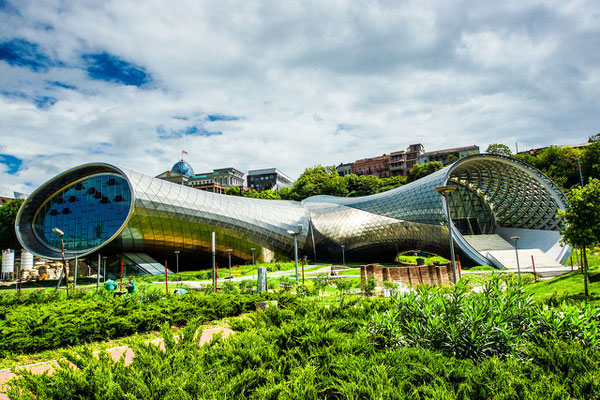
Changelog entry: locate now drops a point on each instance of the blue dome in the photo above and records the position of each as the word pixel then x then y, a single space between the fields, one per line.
pixel 183 168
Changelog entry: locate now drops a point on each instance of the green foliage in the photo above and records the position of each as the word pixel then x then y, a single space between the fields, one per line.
pixel 582 218
pixel 286 283
pixel 318 180
pixel 560 163
pixel 37 322
pixel 498 148
pixel 389 285
pixel 494 323
pixel 370 286
pixel 321 282
pixel 342 285
pixel 8 213
pixel 303 350
pixel 418 171
pixel 412 260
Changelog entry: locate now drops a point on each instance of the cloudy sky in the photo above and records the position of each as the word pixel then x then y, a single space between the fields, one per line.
pixel 286 84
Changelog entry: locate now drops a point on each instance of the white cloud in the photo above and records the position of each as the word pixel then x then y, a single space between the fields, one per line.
pixel 293 72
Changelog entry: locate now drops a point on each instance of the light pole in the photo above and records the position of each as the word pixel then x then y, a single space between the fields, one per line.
pixel 516 238
pixel 252 261
pixel 580 174
pixel 104 260
pixel 343 256
pixel 229 253
pixel 447 191
pixel 177 262
pixel 295 234
pixel 62 250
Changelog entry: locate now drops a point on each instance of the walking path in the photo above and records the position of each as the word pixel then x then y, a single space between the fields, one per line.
pixel 115 353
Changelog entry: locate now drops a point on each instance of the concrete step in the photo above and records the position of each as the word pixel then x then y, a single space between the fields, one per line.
pixel 508 259
pixel 483 243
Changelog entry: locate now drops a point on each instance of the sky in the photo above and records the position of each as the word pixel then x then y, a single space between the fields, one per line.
pixel 286 84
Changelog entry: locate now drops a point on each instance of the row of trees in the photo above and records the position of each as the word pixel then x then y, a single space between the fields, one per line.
pixel 321 180
pixel 561 163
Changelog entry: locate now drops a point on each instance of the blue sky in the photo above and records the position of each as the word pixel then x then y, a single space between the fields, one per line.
pixel 286 84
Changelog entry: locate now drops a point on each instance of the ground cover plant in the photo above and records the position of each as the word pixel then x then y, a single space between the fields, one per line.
pixel 341 350
pixel 48 320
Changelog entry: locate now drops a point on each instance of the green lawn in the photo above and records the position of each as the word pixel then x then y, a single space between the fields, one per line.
pixel 567 287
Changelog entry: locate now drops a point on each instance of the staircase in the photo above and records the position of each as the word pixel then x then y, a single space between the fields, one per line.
pixel 502 255
pixel 483 243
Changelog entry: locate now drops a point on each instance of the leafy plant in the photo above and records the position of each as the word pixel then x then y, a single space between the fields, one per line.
pixel 370 286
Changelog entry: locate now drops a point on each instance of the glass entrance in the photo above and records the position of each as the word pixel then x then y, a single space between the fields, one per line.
pixel 470 213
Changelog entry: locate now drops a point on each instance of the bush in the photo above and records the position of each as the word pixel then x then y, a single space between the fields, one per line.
pixel 494 323
pixel 370 286
pixel 304 351
pixel 34 327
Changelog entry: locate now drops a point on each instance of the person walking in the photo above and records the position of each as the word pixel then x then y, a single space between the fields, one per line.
pixel 131 286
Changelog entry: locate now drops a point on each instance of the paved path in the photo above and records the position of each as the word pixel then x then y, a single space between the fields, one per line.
pixel 308 275
pixel 115 353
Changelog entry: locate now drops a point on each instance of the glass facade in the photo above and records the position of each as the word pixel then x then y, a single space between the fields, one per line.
pixel 91 203
pixel 470 213
pixel 89 212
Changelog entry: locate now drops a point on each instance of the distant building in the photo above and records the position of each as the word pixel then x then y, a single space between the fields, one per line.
pixel 448 156
pixel 378 166
pixel 4 200
pixel 216 181
pixel 268 178
pixel 401 162
pixel 344 169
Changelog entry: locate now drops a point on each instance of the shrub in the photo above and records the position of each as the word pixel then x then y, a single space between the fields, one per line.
pixel 370 286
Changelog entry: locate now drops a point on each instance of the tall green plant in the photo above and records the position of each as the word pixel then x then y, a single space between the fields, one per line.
pixel 582 221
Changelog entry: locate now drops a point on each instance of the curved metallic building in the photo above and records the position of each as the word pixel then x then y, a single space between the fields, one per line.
pixel 100 206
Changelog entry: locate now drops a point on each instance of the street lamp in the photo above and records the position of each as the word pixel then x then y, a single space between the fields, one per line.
pixel 516 238
pixel 295 234
pixel 229 253
pixel 104 275
pixel 62 250
pixel 177 262
pixel 343 256
pixel 252 261
pixel 447 191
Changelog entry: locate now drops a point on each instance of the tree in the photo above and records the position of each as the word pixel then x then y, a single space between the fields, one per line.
pixel 498 148
pixel 582 219
pixel 342 285
pixel 319 180
pixel 420 170
pixel 321 282
pixel 234 191
pixel 590 161
pixel 8 213
pixel 361 185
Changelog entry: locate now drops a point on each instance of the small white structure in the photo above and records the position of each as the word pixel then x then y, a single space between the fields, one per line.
pixel 26 260
pixel 8 264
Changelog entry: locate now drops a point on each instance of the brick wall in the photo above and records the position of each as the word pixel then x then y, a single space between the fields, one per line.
pixel 409 276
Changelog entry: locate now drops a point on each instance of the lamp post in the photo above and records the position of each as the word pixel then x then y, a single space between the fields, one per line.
pixel 62 250
pixel 516 238
pixel 446 191
pixel 295 234
pixel 343 256
pixel 229 253
pixel 104 260
pixel 252 261
pixel 177 263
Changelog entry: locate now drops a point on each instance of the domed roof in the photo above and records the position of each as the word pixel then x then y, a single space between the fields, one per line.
pixel 183 167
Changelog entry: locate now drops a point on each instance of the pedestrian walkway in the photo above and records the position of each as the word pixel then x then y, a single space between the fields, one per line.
pixel 115 352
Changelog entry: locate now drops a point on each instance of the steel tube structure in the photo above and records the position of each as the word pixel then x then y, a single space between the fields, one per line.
pixel 102 207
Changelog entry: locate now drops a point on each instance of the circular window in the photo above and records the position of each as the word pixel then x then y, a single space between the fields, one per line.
pixel 89 212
